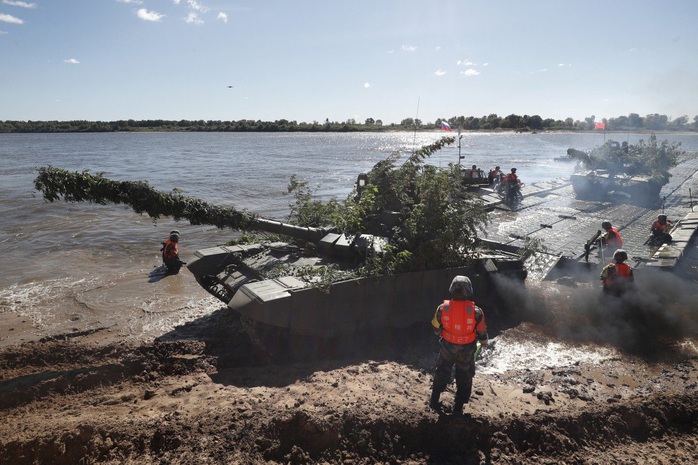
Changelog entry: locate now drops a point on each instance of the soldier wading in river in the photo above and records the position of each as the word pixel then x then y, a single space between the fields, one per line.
pixel 460 323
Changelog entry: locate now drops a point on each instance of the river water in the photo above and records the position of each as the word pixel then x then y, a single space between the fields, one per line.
pixel 81 267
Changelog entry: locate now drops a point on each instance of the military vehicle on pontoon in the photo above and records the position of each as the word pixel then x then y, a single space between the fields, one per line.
pixel 634 172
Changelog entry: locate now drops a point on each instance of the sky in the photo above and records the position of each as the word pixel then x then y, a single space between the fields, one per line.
pixel 312 60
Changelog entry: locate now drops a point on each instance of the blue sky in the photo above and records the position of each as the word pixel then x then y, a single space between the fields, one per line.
pixel 311 60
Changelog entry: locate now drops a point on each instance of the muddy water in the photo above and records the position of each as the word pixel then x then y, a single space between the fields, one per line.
pixel 92 270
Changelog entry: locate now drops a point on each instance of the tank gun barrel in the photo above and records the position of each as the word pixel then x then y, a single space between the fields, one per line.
pixel 74 186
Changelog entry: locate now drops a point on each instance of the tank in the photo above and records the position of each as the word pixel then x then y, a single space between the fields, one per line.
pixel 622 171
pixel 248 280
pixel 597 184
pixel 312 281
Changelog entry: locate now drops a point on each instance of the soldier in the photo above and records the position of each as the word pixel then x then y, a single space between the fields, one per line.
pixel 460 324
pixel 611 239
pixel 660 230
pixel 170 253
pixel 617 277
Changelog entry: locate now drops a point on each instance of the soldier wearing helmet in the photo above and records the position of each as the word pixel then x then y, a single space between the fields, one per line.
pixel 617 277
pixel 660 230
pixel 611 238
pixel 170 253
pixel 460 324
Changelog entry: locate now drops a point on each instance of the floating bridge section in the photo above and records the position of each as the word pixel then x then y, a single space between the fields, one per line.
pixel 551 216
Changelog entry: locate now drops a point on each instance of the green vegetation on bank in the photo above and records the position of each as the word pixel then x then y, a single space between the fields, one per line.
pixel 632 122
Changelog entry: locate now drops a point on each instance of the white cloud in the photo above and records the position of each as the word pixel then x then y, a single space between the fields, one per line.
pixel 146 15
pixel 367 85
pixel 20 4
pixel 194 5
pixel 408 48
pixel 71 61
pixel 176 2
pixel 137 2
pixel 470 72
pixel 10 19
pixel 222 16
pixel 439 72
pixel 465 63
pixel 193 18
pixel 2 33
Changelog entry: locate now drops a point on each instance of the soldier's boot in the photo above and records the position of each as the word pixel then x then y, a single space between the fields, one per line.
pixel 458 405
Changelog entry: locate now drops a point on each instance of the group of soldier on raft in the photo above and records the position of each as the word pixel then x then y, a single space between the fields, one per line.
pixel 617 276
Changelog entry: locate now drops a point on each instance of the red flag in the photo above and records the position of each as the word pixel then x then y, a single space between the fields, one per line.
pixel 600 126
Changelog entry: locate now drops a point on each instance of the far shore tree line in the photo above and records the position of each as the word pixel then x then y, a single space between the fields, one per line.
pixel 492 122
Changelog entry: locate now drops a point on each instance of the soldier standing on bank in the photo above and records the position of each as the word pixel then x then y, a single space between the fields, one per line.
pixel 460 324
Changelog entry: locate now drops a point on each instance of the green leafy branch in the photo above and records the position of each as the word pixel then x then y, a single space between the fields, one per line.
pixel 74 186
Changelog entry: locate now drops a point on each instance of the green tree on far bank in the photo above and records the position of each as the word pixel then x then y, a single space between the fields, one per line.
pixel 491 122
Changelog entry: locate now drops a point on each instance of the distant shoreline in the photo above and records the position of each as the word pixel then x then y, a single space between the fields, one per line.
pixel 340 130
pixel 492 124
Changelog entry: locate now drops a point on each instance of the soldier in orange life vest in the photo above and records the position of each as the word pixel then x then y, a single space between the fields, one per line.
pixel 660 230
pixel 617 277
pixel 611 239
pixel 170 253
pixel 460 323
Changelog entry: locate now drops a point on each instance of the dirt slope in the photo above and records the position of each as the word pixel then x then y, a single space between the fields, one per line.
pixel 215 393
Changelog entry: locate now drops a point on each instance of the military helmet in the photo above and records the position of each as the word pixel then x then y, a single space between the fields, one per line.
pixel 606 225
pixel 461 286
pixel 620 255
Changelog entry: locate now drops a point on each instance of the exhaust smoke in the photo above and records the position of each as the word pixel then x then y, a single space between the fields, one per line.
pixel 659 314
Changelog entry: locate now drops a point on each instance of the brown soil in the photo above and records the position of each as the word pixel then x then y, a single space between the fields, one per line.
pixel 216 391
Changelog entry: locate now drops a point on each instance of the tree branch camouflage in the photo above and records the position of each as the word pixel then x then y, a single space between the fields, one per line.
pixel 74 186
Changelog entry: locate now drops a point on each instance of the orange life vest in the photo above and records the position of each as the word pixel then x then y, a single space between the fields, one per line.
pixel 614 238
pixel 659 226
pixel 459 322
pixel 623 274
pixel 170 250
